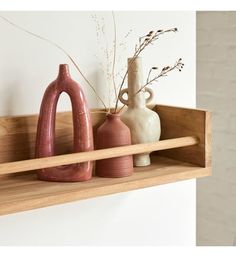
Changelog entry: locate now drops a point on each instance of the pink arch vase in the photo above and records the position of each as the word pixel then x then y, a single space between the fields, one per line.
pixel 82 127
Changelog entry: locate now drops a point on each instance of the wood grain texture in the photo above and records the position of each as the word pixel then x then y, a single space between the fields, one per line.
pixel 22 191
pixel 46 162
pixel 25 192
pixel 177 121
pixel 17 134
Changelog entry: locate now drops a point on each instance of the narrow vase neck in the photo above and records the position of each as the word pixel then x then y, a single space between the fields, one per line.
pixel 63 71
pixel 135 82
pixel 113 116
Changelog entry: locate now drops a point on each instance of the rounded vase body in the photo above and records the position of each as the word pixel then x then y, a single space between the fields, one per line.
pixel 113 133
pixel 83 135
pixel 144 124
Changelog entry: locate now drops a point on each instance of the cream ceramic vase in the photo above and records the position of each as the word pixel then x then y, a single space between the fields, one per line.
pixel 143 123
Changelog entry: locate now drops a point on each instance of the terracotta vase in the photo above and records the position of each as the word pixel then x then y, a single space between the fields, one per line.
pixel 113 132
pixel 143 123
pixel 83 135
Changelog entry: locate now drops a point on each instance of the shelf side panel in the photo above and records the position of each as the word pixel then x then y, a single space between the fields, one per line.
pixel 179 122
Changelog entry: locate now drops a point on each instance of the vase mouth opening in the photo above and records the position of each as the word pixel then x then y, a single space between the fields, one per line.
pixel 113 115
pixel 63 70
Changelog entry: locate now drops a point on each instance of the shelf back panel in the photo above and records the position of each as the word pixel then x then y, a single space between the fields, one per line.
pixel 18 133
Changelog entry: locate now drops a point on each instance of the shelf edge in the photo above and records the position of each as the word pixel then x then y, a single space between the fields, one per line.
pixel 109 189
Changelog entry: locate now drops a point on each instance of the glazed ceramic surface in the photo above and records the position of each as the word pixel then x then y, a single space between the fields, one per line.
pixel 83 136
pixel 144 123
pixel 113 132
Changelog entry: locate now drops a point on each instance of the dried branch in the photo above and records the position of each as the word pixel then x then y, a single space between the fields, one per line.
pixel 149 73
pixel 60 48
pixel 165 70
pixel 144 41
pixel 114 54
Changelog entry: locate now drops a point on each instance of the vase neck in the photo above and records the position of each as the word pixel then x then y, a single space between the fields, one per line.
pixel 135 82
pixel 113 116
pixel 63 71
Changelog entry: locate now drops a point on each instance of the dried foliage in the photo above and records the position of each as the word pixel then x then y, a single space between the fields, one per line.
pixel 61 49
pixel 144 42
pixel 164 72
pixel 111 57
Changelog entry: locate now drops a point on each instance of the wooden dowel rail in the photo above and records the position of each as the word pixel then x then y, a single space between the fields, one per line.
pixel 46 162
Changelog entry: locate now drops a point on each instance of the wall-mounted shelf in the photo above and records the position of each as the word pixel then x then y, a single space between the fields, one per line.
pixel 185 154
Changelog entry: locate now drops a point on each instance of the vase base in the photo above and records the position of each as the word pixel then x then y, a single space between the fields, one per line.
pixel 114 175
pixel 141 160
pixel 65 180
pixel 115 167
pixel 66 173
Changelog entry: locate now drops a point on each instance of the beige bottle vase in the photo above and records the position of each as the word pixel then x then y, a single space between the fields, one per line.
pixel 143 123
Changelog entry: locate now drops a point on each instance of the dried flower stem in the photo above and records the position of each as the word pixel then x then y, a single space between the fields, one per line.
pixel 149 73
pixel 178 65
pixel 114 54
pixel 60 48
pixel 143 43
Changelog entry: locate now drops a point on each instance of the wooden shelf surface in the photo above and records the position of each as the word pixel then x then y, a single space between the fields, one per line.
pixel 184 152
pixel 21 192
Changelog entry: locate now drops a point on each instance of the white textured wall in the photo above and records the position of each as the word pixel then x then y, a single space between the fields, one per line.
pixel 216 91
pixel 163 215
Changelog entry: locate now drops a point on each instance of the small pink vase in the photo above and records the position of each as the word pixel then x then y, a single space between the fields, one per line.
pixel 83 135
pixel 113 132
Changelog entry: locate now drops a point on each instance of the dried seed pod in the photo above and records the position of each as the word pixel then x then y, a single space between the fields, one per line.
pixel 166 68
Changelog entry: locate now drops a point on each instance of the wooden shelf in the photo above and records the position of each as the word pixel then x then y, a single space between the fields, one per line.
pixel 52 161
pixel 24 192
pixel 184 152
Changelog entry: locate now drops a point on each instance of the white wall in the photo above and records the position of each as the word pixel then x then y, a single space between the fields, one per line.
pixel 163 215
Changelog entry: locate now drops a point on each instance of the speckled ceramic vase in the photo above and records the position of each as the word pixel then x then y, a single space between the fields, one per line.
pixel 144 124
pixel 113 132
pixel 83 135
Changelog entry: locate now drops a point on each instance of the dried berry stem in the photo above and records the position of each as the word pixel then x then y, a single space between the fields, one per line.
pixel 143 43
pixel 149 73
pixel 178 65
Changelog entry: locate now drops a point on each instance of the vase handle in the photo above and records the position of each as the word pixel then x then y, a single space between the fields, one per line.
pixel 122 92
pixel 125 91
pixel 151 94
